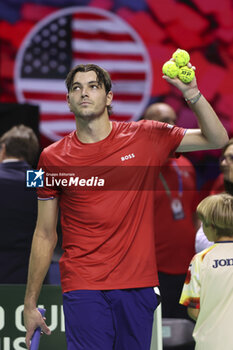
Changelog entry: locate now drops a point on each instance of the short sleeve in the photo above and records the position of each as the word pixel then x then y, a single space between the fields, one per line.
pixel 165 137
pixel 190 295
pixel 164 130
pixel 47 191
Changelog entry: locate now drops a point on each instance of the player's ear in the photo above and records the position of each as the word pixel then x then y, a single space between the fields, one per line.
pixel 109 98
pixel 68 101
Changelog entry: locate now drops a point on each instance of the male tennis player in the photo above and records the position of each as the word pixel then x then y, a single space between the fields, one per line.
pixel 108 269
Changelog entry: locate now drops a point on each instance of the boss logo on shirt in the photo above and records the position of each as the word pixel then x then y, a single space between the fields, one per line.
pixel 129 156
pixel 222 262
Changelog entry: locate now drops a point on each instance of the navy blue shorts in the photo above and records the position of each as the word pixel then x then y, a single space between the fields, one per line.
pixel 118 319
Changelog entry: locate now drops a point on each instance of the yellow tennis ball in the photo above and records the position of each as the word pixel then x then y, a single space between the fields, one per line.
pixel 170 69
pixel 181 57
pixel 186 74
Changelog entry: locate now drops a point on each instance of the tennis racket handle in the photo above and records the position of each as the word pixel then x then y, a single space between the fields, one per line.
pixel 35 341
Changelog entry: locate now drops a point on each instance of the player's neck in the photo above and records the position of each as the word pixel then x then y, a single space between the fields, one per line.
pixel 93 130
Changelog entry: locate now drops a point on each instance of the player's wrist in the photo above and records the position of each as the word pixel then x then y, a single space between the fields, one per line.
pixel 193 99
pixel 29 306
pixel 191 93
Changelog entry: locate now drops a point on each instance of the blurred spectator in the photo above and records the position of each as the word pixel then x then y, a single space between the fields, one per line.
pixel 19 149
pixel 224 183
pixel 175 220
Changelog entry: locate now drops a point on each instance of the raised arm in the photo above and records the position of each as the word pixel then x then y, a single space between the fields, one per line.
pixel 212 134
pixel 43 244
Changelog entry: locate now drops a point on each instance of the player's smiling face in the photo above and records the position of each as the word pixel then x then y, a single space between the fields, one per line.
pixel 87 97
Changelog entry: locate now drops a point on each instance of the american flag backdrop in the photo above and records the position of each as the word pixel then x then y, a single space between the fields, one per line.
pixel 80 35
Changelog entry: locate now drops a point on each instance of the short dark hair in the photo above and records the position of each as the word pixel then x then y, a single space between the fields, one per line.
pixel 21 142
pixel 103 77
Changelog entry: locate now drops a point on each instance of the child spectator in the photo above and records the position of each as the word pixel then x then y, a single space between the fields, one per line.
pixel 208 289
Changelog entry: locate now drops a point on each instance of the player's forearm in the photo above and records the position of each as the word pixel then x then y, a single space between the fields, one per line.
pixel 41 255
pixel 212 134
pixel 209 123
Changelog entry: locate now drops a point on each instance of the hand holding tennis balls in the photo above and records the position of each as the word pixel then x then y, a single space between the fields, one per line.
pixel 178 67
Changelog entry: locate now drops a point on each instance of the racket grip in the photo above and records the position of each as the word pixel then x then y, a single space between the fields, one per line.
pixel 35 341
